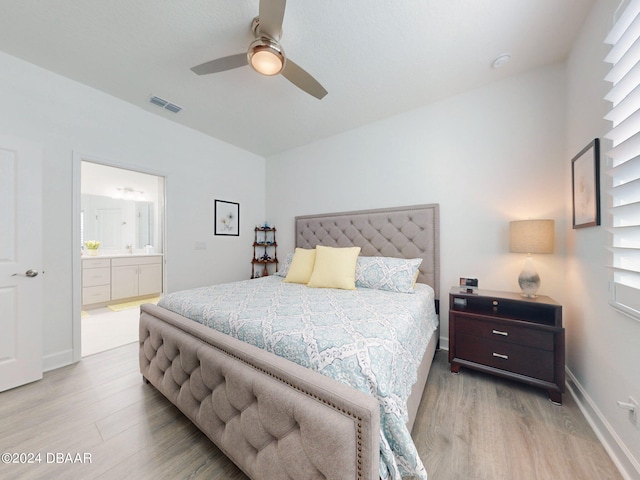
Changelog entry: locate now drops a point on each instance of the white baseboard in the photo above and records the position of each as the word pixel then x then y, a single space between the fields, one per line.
pixel 617 450
pixel 57 360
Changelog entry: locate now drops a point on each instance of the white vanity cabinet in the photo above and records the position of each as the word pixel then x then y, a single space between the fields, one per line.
pixel 96 280
pixel 136 276
pixel 113 278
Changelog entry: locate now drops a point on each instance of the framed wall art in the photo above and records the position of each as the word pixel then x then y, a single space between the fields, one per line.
pixel 226 217
pixel 585 180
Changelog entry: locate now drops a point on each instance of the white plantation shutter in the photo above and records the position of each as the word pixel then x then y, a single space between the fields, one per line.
pixel 624 158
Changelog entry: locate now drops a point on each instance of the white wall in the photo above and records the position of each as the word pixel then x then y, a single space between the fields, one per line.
pixel 489 156
pixel 65 118
pixel 603 346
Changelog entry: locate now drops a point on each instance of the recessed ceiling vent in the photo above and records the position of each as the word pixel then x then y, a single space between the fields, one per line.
pixel 162 103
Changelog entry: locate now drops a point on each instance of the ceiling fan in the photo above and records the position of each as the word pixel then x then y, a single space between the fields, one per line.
pixel 265 54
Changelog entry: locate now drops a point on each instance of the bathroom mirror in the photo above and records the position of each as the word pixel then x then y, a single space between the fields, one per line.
pixel 118 223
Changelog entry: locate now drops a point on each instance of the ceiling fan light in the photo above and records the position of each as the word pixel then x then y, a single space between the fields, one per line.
pixel 266 56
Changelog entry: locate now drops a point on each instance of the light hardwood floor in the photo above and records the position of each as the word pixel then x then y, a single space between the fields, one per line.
pixel 476 426
pixel 470 427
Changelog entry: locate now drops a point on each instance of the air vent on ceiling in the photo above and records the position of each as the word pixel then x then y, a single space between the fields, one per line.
pixel 162 103
pixel 173 108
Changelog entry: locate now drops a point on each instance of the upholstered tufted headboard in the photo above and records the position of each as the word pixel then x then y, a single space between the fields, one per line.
pixel 403 232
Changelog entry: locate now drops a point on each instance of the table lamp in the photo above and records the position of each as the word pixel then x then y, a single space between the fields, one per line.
pixel 530 236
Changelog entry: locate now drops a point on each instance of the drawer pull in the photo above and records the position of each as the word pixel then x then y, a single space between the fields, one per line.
pixel 498 332
pixel 499 355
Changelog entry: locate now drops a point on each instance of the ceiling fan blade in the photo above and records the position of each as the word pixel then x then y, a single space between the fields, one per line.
pixel 270 17
pixel 221 64
pixel 303 80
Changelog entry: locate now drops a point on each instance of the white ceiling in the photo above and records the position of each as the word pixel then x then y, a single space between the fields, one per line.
pixel 376 58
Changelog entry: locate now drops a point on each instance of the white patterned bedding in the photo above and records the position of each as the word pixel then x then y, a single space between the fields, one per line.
pixel 370 339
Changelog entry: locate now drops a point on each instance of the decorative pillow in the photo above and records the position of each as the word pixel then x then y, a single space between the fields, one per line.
pixel 301 266
pixel 284 266
pixel 387 273
pixel 335 268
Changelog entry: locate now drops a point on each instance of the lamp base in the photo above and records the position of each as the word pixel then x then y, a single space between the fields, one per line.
pixel 526 295
pixel 529 280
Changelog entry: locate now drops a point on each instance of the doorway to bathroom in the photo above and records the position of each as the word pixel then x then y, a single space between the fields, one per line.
pixel 121 250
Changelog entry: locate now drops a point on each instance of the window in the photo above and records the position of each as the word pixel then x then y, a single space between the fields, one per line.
pixel 624 157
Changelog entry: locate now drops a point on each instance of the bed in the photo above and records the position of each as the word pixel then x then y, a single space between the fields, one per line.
pixel 277 419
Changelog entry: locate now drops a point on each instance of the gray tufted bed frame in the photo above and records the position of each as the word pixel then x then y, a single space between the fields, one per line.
pixel 273 418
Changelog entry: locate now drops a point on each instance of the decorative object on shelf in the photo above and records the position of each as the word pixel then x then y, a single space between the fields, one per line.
pixel 265 241
pixel 92 247
pixel 585 186
pixel 530 236
pixel 226 217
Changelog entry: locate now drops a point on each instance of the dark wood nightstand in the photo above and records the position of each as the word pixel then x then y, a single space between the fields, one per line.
pixel 508 335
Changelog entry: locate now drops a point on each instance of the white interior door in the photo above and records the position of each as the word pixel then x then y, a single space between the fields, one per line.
pixel 20 262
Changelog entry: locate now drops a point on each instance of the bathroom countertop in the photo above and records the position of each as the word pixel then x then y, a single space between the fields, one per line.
pixel 121 255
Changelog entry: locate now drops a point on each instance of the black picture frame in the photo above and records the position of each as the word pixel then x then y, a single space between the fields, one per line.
pixel 226 218
pixel 585 186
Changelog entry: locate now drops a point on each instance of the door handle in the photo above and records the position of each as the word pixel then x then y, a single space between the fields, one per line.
pixel 28 273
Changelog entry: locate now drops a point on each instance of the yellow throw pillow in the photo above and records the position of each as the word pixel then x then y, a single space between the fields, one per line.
pixel 415 278
pixel 301 266
pixel 335 268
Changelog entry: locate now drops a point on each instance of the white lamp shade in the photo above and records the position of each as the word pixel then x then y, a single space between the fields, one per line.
pixel 531 236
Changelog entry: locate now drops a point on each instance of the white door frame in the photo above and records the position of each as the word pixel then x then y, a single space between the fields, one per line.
pixel 78 157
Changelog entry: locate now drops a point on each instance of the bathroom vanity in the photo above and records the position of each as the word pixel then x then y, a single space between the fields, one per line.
pixel 106 278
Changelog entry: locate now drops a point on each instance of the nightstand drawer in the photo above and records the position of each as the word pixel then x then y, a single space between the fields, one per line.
pixel 503 332
pixel 511 357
